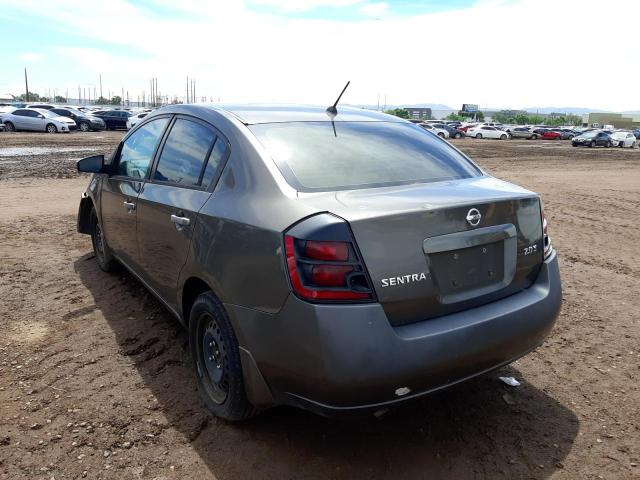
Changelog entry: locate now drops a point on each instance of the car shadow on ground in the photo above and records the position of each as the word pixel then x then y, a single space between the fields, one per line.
pixel 479 429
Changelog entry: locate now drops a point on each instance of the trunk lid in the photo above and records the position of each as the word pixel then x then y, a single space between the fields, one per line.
pixel 438 248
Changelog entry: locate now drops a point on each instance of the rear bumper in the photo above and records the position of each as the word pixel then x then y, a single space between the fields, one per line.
pixel 343 360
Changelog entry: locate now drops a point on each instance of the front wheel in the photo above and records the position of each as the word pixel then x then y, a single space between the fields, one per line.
pixel 479 135
pixel 457 135
pixel 216 357
pixel 503 137
pixel 106 262
pixel 84 127
pixel 534 137
pixel 592 144
pixel 51 128
pixel 608 144
pixel 441 135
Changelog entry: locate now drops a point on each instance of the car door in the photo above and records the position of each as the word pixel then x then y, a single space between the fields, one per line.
pixel 601 139
pixel 35 121
pixel 18 118
pixel 179 185
pixel 119 194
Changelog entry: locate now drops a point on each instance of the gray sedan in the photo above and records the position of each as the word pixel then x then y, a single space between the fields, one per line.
pixel 37 120
pixel 342 262
pixel 523 132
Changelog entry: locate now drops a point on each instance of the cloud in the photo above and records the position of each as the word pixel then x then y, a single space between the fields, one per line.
pixel 374 9
pixel 501 54
pixel 30 57
pixel 303 5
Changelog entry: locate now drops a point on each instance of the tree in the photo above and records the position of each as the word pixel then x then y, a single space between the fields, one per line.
pixel 116 100
pixel 33 97
pixel 60 99
pixel 102 101
pixel 522 119
pixel 398 112
pixel 45 99
pixel 456 117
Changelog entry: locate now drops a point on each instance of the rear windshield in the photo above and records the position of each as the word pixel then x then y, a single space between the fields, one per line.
pixel 314 157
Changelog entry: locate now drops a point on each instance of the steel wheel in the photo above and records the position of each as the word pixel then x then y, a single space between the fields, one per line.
pixel 213 362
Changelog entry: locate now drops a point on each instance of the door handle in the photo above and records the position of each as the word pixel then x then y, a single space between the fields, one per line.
pixel 130 206
pixel 180 221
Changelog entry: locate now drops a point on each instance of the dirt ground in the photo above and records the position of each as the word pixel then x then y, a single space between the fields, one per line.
pixel 95 378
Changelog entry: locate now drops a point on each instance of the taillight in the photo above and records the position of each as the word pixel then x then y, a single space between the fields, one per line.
pixel 545 235
pixel 326 270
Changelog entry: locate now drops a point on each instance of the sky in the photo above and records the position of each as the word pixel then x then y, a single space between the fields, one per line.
pixel 495 53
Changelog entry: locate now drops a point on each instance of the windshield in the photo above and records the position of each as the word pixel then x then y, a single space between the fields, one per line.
pixel 590 134
pixel 314 157
pixel 46 113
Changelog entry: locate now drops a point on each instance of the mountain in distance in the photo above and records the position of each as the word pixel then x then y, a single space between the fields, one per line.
pixel 389 106
pixel 571 110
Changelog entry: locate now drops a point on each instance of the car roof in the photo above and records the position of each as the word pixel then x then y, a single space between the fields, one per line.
pixel 256 113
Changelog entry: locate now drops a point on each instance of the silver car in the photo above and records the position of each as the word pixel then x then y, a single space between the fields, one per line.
pixel 339 262
pixel 37 120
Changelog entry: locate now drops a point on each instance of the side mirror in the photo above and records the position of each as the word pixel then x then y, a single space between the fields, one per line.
pixel 93 164
pixel 40 116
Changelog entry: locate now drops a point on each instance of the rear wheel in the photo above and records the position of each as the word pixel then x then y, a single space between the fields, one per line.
pixel 51 128
pixel 9 127
pixel 534 137
pixel 106 262
pixel 592 144
pixel 84 127
pixel 216 357
pixel 479 135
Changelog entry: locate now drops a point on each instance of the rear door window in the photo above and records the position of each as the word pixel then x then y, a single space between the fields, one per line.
pixel 322 156
pixel 138 149
pixel 185 153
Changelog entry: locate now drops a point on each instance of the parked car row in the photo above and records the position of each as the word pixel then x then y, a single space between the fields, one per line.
pixel 52 118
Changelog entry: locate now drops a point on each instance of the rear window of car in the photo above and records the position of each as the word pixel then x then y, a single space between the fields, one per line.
pixel 324 156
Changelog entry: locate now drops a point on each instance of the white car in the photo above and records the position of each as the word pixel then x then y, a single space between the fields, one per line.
pixel 4 110
pixel 623 139
pixel 134 119
pixel 37 120
pixel 484 131
pixel 442 133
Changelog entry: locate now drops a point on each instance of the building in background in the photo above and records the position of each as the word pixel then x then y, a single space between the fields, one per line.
pixel 618 120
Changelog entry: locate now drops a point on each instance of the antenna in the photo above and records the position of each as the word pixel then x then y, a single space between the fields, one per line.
pixel 332 110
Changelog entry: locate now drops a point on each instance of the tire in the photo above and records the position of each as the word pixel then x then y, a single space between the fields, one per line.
pixel 105 260
pixel 441 135
pixel 457 135
pixel 51 128
pixel 84 127
pixel 608 144
pixel 621 144
pixel 592 144
pixel 9 127
pixel 216 358
pixel 479 136
pixel 534 136
pixel 503 137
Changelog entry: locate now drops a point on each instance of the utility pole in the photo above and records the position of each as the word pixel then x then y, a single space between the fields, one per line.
pixel 100 85
pixel 187 98
pixel 26 83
